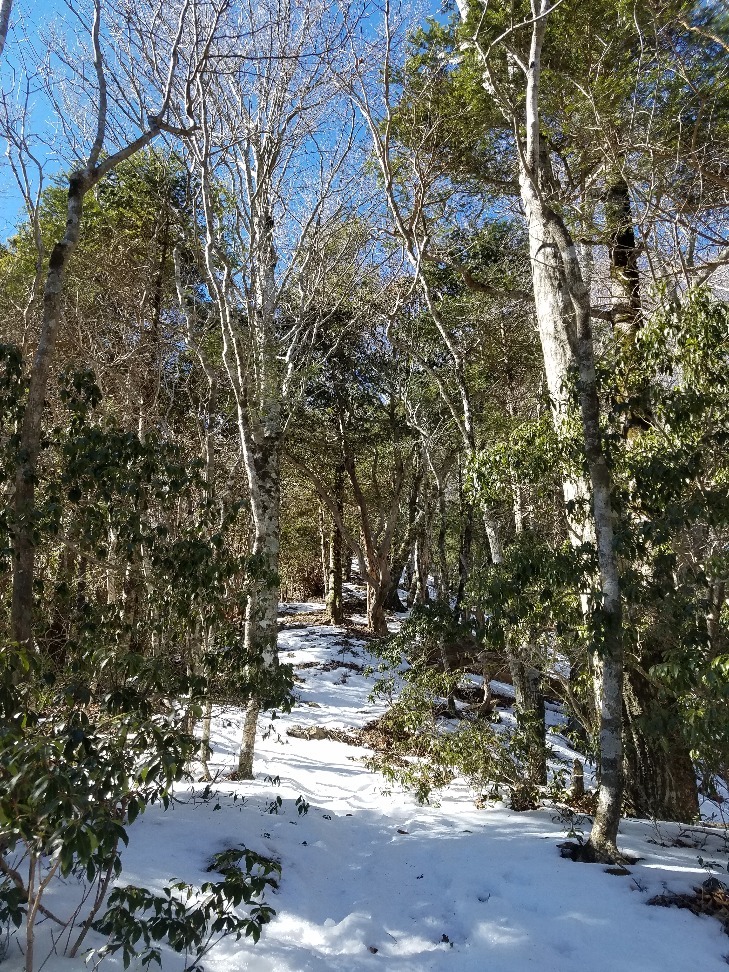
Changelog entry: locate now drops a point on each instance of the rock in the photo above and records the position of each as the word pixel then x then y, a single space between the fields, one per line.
pixel 308 732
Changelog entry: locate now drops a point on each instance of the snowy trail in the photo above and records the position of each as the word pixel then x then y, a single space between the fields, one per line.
pixel 374 881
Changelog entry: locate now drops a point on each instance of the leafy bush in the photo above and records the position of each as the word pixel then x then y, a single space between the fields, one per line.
pixel 191 922
pixel 136 606
pixel 425 748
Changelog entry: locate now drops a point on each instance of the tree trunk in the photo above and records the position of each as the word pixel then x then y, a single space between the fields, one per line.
pixel 623 263
pixel 205 747
pixel 24 513
pixel 659 776
pixel 465 553
pixel 335 604
pixel 261 621
pixel 420 570
pixel 563 311
pixel 405 550
pixel 393 602
pixel 660 781
pixel 262 457
pixel 324 548
pixel 608 656
pixel 30 433
pixel 376 597
pixel 527 681
pixel 248 740
pixel 530 715
pixel 442 585
pixel 5 8
pixel 374 552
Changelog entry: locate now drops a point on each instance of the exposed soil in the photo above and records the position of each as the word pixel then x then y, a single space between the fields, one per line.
pixel 331 666
pixel 709 898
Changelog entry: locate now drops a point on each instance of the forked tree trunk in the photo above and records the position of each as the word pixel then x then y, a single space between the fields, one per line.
pixel 377 590
pixel 406 548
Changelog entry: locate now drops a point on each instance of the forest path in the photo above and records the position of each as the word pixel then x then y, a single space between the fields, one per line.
pixel 374 881
pixel 490 881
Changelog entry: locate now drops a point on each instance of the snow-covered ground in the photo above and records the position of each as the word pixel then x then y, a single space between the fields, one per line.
pixel 371 880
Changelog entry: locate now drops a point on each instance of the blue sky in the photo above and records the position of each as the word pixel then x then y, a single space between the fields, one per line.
pixel 26 18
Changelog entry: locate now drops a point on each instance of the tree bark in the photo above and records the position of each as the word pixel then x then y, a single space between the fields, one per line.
pixel 406 548
pixel 660 781
pixel 623 262
pixel 393 602
pixel 262 447
pixel 563 312
pixel 30 434
pixel 335 603
pixel 530 714
pixel 248 740
pixel 5 8
pixel 465 554
pixel 205 747
pixel 375 557
pixel 659 776
pixel 376 597
pixel 608 656
pixel 442 585
pixel 420 569
pixel 324 548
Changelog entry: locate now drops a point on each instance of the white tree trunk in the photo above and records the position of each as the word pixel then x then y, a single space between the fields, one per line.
pixel 262 461
pixel 563 313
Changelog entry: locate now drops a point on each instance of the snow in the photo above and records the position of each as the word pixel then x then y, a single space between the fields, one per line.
pixel 370 880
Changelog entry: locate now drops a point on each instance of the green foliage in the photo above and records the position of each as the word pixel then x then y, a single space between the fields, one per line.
pixel 95 720
pixel 675 499
pixel 426 746
pixel 667 429
pixel 78 762
pixel 188 920
pixel 627 91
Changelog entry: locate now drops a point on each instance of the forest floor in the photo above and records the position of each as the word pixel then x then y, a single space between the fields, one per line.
pixel 371 880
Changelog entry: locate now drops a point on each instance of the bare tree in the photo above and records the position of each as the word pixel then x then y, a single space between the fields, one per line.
pixel 271 157
pixel 108 146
